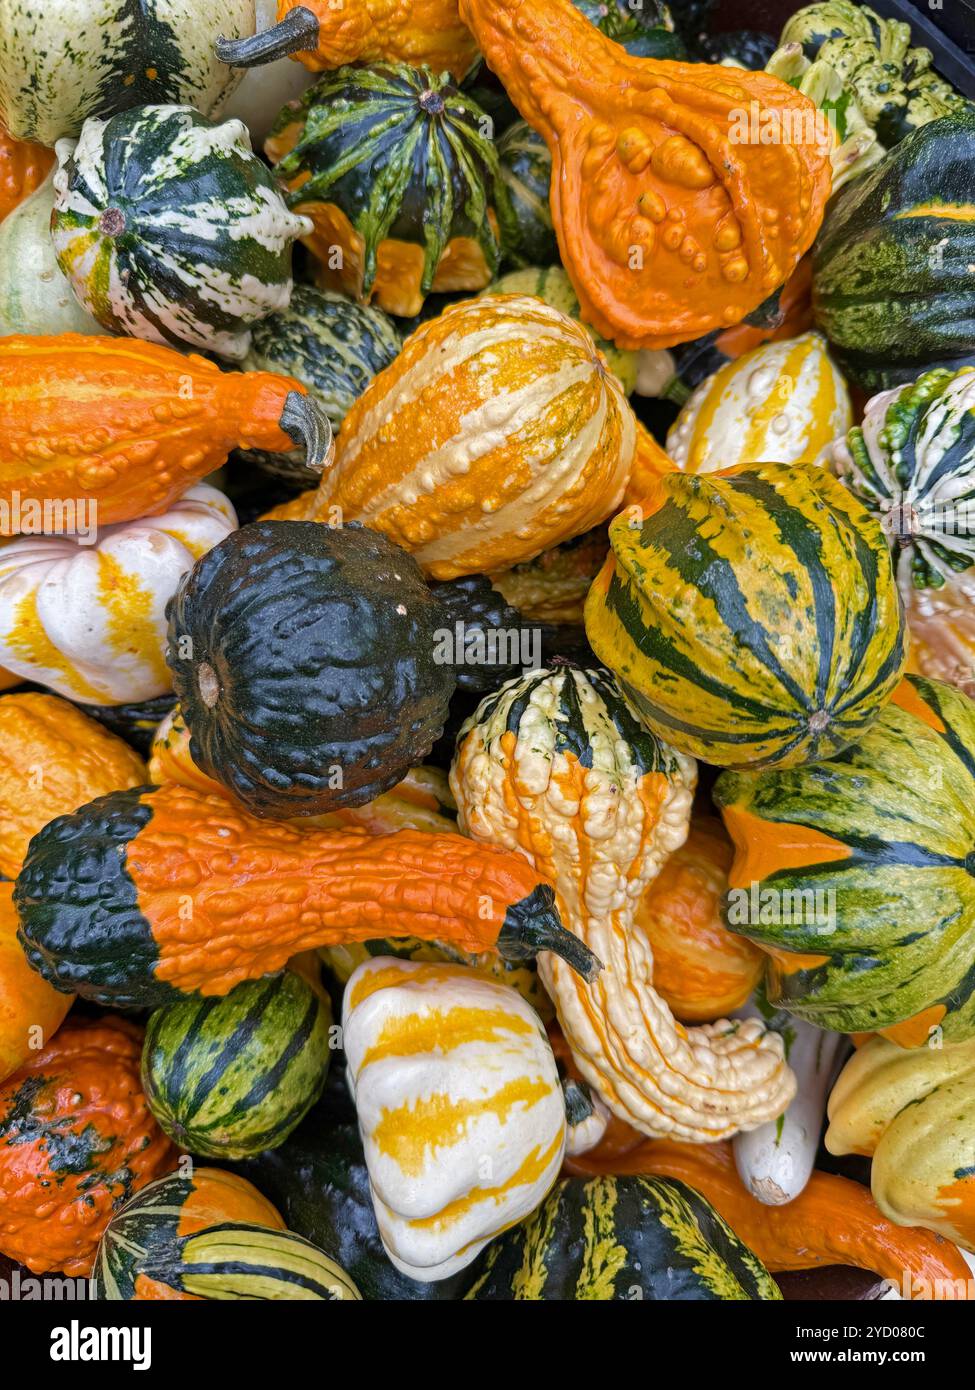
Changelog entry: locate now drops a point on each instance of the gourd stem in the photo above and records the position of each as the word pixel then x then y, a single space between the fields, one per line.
pixel 533 925
pixel 297 33
pixel 307 424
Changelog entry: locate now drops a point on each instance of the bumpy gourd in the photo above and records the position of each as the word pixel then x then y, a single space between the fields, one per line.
pixel 865 859
pixel 321 34
pixel 194 895
pixel 163 1212
pixel 558 767
pixel 912 463
pixel 669 224
pixel 397 171
pixel 496 434
pixel 131 425
pixel 31 1011
pixel 552 588
pixel 53 759
pixel 700 969
pixel 753 613
pixel 23 167
pixel 170 228
pixel 784 402
pixel 460 1108
pixel 89 620
pixel 855 147
pixel 76 1141
pixel 913 1113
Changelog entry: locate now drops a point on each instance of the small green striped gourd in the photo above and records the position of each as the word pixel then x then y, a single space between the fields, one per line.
pixel 857 874
pixel 332 346
pixel 227 1077
pixel 526 167
pixel 66 60
pixel 783 402
pixel 170 228
pixel 551 284
pixel 397 170
pixel 234 1261
pixel 752 614
pixel 627 1238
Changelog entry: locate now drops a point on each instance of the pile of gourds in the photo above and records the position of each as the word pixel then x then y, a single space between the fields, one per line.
pixel 374 674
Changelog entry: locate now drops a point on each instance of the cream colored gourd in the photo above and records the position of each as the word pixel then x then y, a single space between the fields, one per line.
pixel 35 297
pixel 460 1107
pixel 783 402
pixel 85 613
pixel 558 766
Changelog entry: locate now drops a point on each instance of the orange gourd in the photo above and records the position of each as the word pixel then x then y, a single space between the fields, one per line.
pixel 23 167
pixel 194 895
pixel 129 426
pixel 76 1141
pixel 324 34
pixel 673 217
pixel 53 759
pixel 31 1011
pixel 701 969
pixel 649 462
pixel 833 1221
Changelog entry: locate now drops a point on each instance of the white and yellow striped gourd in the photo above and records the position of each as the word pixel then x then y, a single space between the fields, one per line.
pixel 87 617
pixel 497 433
pixel 460 1107
pixel 558 766
pixel 783 402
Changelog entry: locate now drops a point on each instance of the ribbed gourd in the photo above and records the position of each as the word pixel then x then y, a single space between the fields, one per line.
pixel 526 167
pixel 170 228
pixel 855 873
pixel 913 1113
pixel 558 767
pixel 234 1261
pixel 912 463
pixel 85 613
pixel 753 613
pixel 631 1238
pixel 784 402
pixel 231 1076
pixel 496 434
pixel 397 171
pixel 460 1108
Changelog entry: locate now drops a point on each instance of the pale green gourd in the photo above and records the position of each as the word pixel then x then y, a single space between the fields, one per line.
pixel 35 297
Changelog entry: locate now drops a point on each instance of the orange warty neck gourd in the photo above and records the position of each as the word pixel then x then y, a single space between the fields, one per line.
pixel 131 425
pixel 144 896
pixel 668 225
pixel 833 1221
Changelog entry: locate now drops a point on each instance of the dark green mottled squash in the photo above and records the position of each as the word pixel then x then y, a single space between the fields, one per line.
pixel 623 1238
pixel 398 171
pixel 314 666
pixel 526 167
pixel 226 1077
pixel 739 48
pixel 646 30
pixel 893 285
pixel 318 1179
pixel 135 723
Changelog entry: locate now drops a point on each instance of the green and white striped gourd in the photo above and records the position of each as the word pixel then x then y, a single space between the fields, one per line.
pixel 229 1076
pixel 35 297
pixel 626 1238
pixel 65 60
pixel 331 345
pixel 398 172
pixel 551 284
pixel 171 229
pixel 234 1261
pixel 526 167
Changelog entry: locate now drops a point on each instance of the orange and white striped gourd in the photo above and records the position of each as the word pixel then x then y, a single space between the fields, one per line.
pixel 89 619
pixel 558 766
pixel 497 433
pixel 783 402
pixel 460 1108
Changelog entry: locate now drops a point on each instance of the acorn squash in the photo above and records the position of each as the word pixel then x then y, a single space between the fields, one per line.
pixel 753 613
pixel 892 277
pixel 644 29
pixel 856 873
pixel 623 1238
pixel 169 228
pixel 396 169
